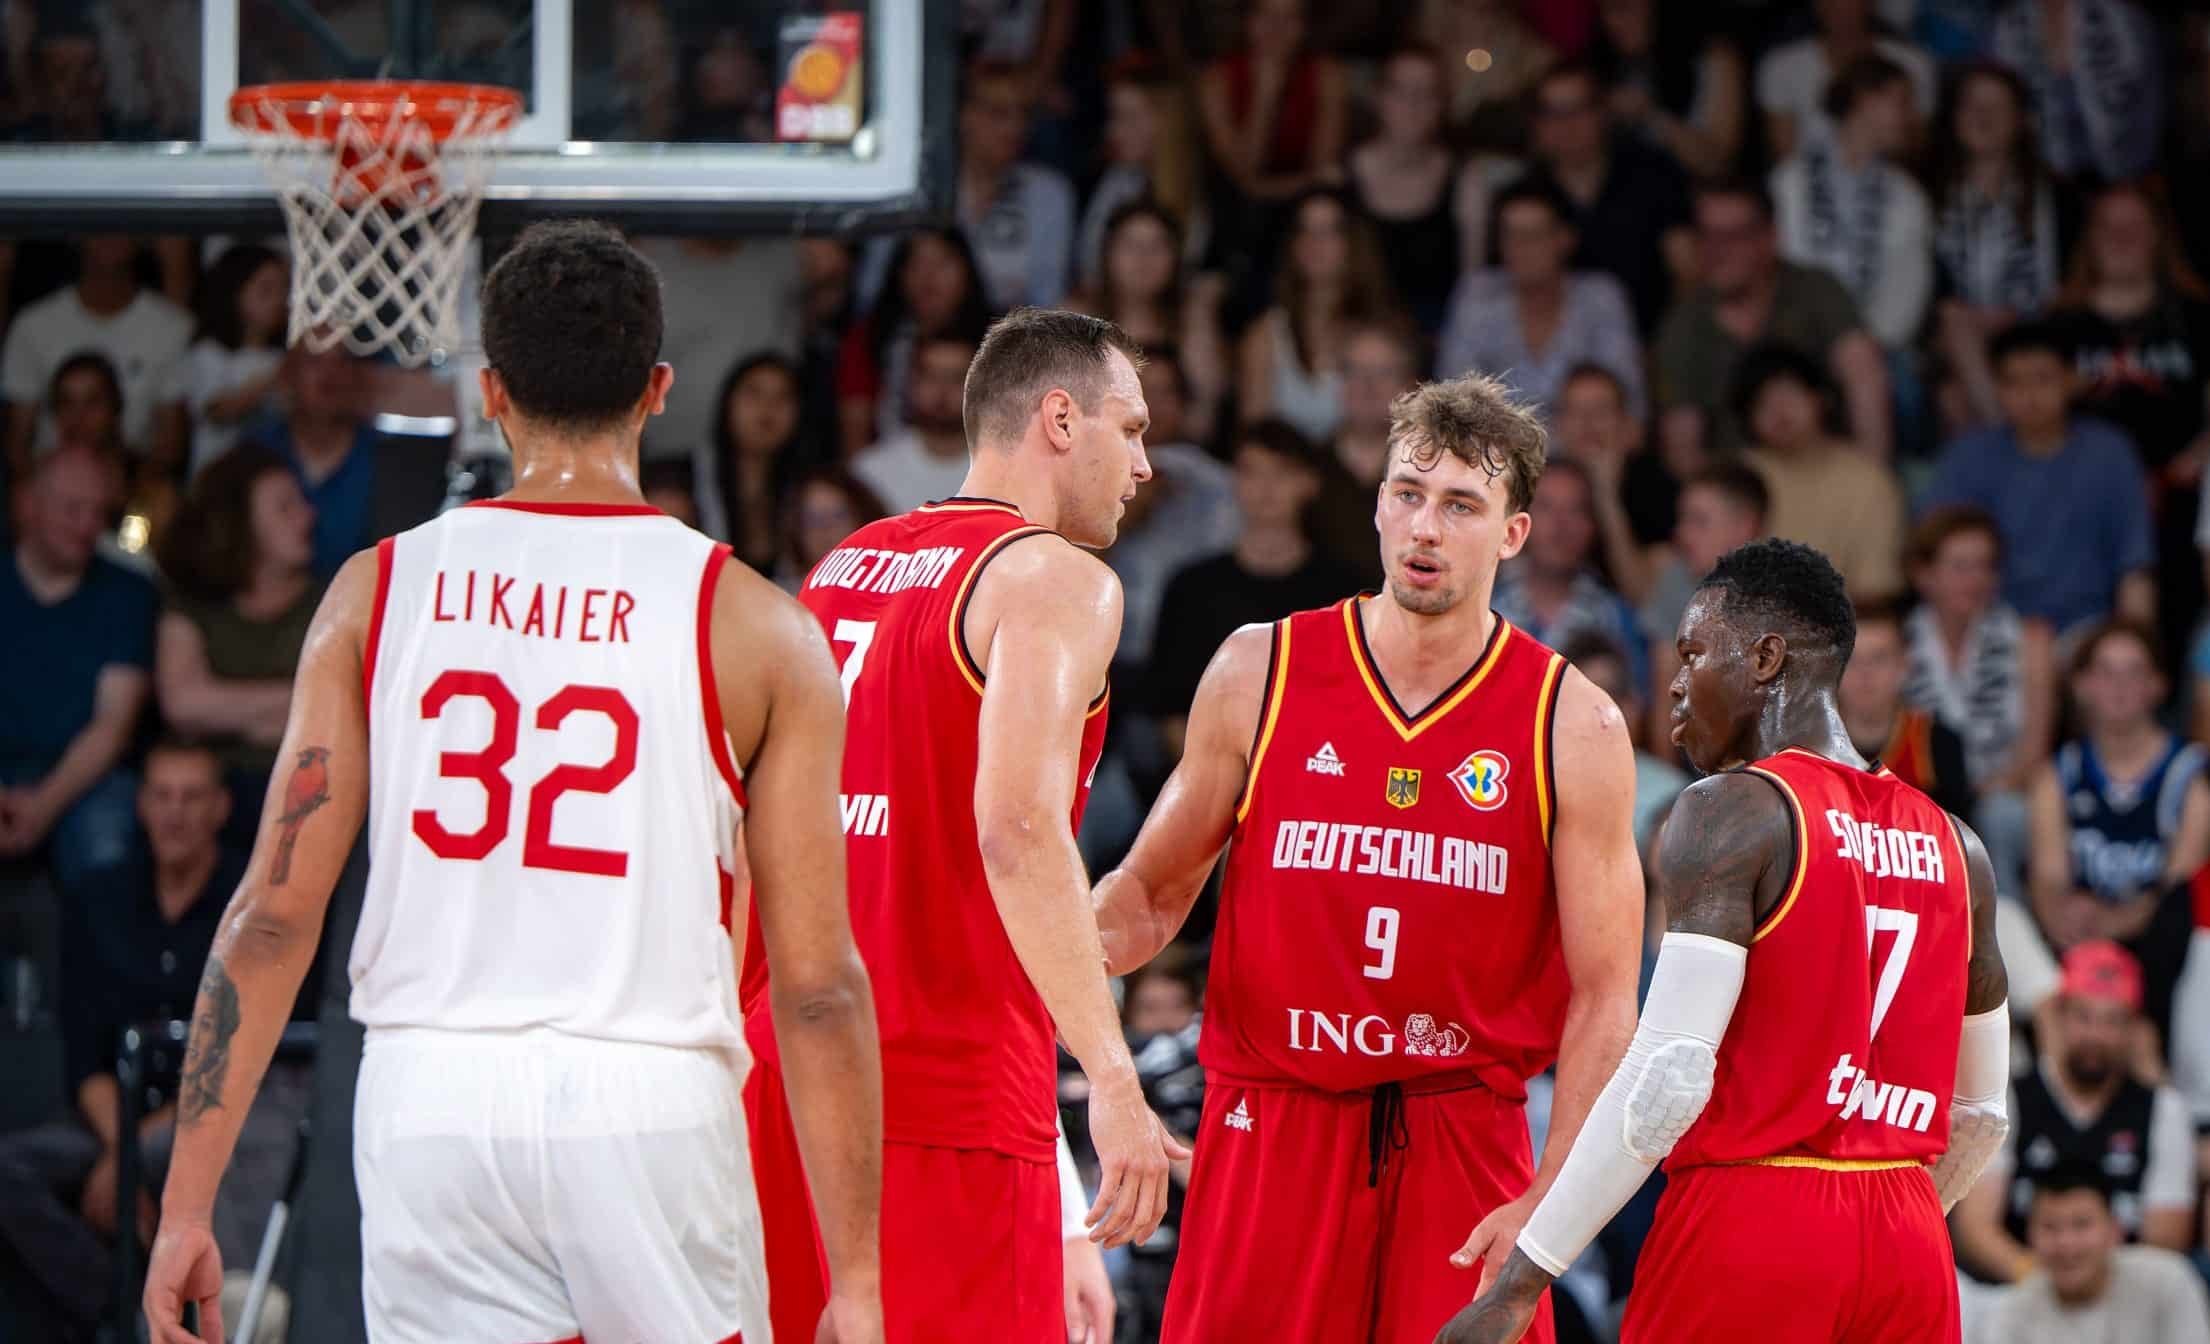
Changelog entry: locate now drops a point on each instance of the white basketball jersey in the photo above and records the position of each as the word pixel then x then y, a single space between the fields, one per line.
pixel 552 804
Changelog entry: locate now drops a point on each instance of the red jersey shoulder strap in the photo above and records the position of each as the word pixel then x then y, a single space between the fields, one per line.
pixel 956 628
pixel 1269 701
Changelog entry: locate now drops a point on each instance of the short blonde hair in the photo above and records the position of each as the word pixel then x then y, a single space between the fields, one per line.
pixel 1475 420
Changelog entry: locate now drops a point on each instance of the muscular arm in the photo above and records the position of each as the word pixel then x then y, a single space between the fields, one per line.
pixel 1053 615
pixel 1043 623
pixel 270 931
pixel 1142 903
pixel 1724 852
pixel 1600 901
pixel 781 699
pixel 194 699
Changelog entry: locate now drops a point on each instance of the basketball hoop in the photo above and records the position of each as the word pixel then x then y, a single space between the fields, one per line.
pixel 380 181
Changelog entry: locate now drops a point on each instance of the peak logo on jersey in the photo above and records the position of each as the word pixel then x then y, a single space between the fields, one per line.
pixel 1403 788
pixel 1480 780
pixel 1325 761
pixel 1240 1117
pixel 1422 1037
pixel 1860 1097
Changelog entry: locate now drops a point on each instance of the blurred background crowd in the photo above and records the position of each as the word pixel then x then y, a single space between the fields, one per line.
pixel 1919 282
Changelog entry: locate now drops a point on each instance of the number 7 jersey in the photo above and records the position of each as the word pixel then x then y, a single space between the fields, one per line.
pixel 552 800
pixel 1842 1050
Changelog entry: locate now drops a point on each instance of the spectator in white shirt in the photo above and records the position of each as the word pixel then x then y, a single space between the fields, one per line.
pixel 229 375
pixel 926 460
pixel 1843 204
pixel 726 300
pixel 142 334
pixel 1792 79
pixel 1531 322
pixel 1018 217
pixel 2089 1287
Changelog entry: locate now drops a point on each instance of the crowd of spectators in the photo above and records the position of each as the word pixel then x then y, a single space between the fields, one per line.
pixel 1905 279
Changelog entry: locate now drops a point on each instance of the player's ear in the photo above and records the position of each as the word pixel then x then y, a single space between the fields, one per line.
pixel 1058 411
pixel 1768 653
pixel 657 386
pixel 493 388
pixel 1516 529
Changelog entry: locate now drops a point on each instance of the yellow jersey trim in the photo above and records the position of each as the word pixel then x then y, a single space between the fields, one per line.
pixel 1828 1163
pixel 1435 713
pixel 1277 681
pixel 1545 707
pixel 969 506
pixel 1803 855
pixel 961 659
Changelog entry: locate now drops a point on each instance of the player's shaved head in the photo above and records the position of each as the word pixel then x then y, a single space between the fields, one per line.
pixel 572 324
pixel 1025 355
pixel 1774 586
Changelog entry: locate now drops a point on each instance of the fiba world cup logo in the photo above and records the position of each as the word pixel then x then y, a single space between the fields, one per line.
pixel 1480 780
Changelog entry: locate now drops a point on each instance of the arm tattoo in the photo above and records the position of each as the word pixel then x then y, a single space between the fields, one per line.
pixel 207 1060
pixel 1725 832
pixel 307 789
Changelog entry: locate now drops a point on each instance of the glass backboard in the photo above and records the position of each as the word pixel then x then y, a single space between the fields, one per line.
pixel 706 116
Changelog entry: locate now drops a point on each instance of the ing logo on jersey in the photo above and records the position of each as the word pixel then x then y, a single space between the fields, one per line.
pixel 1403 788
pixel 1480 780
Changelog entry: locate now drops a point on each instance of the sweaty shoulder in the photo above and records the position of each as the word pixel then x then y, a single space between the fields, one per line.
pixel 1045 578
pixel 759 634
pixel 1725 855
pixel 349 602
pixel 1588 721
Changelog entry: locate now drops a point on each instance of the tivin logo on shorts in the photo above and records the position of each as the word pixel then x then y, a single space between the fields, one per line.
pixel 1422 1037
pixel 1240 1117
pixel 1325 761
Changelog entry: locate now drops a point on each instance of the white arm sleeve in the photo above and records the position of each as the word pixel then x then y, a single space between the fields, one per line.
pixel 1978 1117
pixel 1074 1206
pixel 1654 1096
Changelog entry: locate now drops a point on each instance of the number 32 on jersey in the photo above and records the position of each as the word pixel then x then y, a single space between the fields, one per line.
pixel 487 767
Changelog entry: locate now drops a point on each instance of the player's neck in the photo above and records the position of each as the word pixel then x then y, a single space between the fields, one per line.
pixel 996 475
pixel 1810 721
pixel 598 470
pixel 1417 652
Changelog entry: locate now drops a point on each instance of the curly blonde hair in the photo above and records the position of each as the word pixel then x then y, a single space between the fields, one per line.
pixel 1475 420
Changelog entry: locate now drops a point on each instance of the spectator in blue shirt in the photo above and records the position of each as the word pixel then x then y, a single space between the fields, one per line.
pixel 2067 492
pixel 1550 589
pixel 73 671
pixel 326 437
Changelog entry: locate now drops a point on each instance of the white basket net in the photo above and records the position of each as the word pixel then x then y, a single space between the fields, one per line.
pixel 380 192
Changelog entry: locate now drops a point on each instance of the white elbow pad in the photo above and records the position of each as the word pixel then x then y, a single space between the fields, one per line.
pixel 1667 1094
pixel 1977 1111
pixel 1655 1096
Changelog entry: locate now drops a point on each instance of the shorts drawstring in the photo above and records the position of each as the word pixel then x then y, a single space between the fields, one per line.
pixel 1385 1130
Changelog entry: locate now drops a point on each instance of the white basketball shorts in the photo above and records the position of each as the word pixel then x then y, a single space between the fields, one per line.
pixel 535 1187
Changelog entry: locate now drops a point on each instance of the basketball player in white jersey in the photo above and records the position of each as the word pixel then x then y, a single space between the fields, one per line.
pixel 554 710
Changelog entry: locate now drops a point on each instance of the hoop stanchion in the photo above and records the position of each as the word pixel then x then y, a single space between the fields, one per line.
pixel 380 181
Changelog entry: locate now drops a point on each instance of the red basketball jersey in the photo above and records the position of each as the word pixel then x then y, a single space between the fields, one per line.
pixel 967 1048
pixel 1388 912
pixel 1843 1047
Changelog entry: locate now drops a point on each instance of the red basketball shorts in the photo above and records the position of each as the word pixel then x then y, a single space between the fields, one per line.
pixel 797 1271
pixel 970 1248
pixel 1320 1217
pixel 1796 1255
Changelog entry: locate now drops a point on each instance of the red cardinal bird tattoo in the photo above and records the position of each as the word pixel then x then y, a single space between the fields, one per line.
pixel 308 789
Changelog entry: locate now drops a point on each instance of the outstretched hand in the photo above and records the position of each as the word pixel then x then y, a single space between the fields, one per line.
pixel 1492 1241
